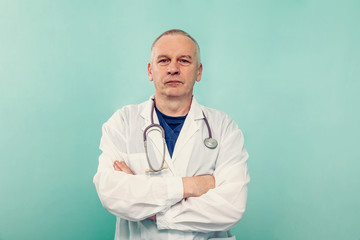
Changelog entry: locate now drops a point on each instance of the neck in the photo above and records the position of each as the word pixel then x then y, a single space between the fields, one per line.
pixel 173 106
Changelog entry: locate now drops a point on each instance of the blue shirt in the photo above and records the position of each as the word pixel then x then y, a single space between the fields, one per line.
pixel 172 127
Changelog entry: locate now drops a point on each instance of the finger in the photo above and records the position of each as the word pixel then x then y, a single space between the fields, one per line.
pixel 121 166
pixel 125 168
pixel 116 167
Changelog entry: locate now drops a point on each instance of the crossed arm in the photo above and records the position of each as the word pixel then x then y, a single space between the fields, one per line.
pixel 193 186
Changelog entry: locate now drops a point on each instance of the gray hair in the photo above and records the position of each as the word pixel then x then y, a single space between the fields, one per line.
pixel 178 32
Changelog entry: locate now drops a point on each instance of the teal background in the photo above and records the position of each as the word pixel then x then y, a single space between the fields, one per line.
pixel 286 71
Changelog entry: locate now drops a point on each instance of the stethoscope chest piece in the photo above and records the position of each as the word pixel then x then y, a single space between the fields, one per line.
pixel 210 143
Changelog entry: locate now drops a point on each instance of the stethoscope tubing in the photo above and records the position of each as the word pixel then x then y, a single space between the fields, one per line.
pixel 153 127
pixel 209 142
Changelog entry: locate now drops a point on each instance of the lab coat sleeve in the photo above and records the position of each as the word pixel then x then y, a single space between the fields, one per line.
pixel 131 197
pixel 222 207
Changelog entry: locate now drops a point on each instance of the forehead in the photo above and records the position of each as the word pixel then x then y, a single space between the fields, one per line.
pixel 174 45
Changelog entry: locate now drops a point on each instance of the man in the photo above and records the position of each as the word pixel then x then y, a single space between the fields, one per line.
pixel 191 189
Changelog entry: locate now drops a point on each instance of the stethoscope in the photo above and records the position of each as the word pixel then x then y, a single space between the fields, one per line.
pixel 209 142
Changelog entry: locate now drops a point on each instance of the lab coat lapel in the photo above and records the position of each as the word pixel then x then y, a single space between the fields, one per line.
pixel 157 142
pixel 190 127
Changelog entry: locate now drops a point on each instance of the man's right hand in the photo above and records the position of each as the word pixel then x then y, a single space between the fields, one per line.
pixel 197 185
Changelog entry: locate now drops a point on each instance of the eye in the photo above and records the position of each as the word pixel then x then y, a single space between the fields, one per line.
pixel 163 60
pixel 184 61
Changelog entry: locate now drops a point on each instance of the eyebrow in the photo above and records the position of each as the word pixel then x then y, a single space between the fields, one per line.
pixel 187 56
pixel 165 56
pixel 162 56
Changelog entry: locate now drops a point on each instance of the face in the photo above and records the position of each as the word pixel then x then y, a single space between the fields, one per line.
pixel 173 67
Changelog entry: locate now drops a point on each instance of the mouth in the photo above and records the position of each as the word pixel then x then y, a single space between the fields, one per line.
pixel 173 82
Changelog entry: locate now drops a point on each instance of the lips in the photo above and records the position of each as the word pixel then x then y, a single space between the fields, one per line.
pixel 173 82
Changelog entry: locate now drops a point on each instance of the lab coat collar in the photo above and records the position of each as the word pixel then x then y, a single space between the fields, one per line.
pixel 195 112
pixel 190 127
pixel 146 111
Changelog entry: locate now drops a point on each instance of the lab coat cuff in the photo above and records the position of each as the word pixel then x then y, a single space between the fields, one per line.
pixel 163 220
pixel 175 190
pixel 176 194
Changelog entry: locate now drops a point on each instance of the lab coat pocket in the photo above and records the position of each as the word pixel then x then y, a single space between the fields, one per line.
pixel 137 163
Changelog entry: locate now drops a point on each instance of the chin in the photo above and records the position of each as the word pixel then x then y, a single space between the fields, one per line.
pixel 173 91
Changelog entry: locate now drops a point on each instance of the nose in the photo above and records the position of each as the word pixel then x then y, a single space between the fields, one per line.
pixel 173 68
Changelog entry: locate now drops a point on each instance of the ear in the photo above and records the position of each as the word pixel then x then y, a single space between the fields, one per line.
pixel 149 72
pixel 198 75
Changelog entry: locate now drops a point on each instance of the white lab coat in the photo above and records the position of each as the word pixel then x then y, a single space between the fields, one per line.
pixel 134 198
